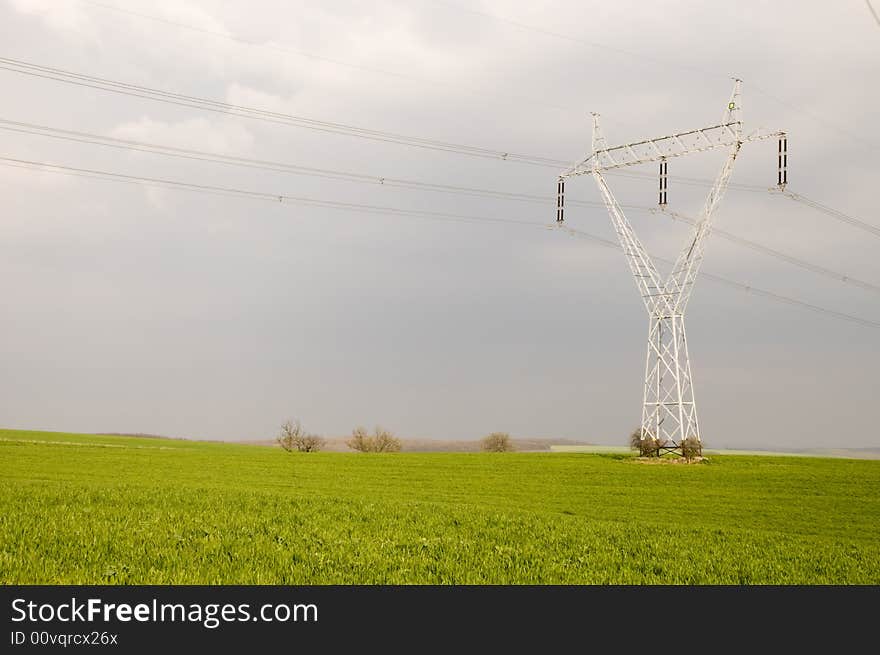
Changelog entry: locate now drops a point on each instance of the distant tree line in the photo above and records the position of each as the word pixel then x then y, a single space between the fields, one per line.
pixel 294 438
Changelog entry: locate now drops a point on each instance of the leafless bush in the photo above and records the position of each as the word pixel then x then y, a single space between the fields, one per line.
pixel 291 431
pixel 635 440
pixel 650 448
pixel 381 441
pixel 385 442
pixel 497 442
pixel 293 437
pixel 659 445
pixel 310 443
pixel 360 440
pixel 644 442
pixel 691 448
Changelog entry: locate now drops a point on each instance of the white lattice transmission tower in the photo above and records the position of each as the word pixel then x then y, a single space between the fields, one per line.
pixel 669 409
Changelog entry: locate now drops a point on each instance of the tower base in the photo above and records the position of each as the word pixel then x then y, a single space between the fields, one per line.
pixel 669 410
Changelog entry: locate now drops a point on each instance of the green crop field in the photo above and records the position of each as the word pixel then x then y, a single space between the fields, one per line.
pixel 121 510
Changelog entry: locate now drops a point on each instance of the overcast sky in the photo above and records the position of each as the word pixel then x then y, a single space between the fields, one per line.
pixel 134 309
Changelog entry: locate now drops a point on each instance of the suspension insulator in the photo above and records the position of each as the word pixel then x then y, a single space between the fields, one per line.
pixel 560 200
pixel 782 162
pixel 663 168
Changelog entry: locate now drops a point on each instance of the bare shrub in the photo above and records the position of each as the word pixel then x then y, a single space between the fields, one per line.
pixel 497 442
pixel 644 442
pixel 381 441
pixel 691 448
pixel 385 442
pixel 290 432
pixel 635 440
pixel 310 443
pixel 360 440
pixel 650 448
pixel 294 437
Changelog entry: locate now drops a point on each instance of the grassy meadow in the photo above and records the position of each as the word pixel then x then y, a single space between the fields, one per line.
pixel 122 510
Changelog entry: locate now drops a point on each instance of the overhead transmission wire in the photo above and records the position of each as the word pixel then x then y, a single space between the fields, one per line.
pixel 254 195
pixel 338 62
pixel 194 102
pixel 212 105
pixel 392 211
pixel 260 164
pixel 771 295
pixel 873 12
pixel 158 95
pixel 833 213
pixel 758 247
pixel 113 86
pixel 381 71
pixel 666 63
pixel 576 39
pixel 308 55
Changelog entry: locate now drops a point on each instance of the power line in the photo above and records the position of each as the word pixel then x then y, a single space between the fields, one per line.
pixel 124 88
pixel 873 12
pixel 95 139
pixel 253 195
pixel 247 42
pixel 809 266
pixel 205 104
pixel 200 155
pixel 576 39
pixel 194 102
pixel 383 210
pixel 158 95
pixel 260 164
pixel 301 53
pixel 737 285
pixel 216 106
pixel 859 139
pixel 396 74
pixel 817 118
pixel 833 213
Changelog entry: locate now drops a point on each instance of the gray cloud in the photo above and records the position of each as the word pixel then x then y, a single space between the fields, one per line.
pixel 138 309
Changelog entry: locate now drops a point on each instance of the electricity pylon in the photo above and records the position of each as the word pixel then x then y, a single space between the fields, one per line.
pixel 669 410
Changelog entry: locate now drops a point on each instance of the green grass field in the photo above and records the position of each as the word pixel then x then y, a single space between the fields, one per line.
pixel 121 510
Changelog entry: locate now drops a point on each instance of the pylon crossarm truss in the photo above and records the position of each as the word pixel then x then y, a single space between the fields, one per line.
pixel 667 147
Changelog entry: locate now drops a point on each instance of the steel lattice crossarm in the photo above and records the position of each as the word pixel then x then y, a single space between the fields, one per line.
pixel 666 147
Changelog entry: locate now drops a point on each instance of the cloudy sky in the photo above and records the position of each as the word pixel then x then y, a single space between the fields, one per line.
pixel 132 308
